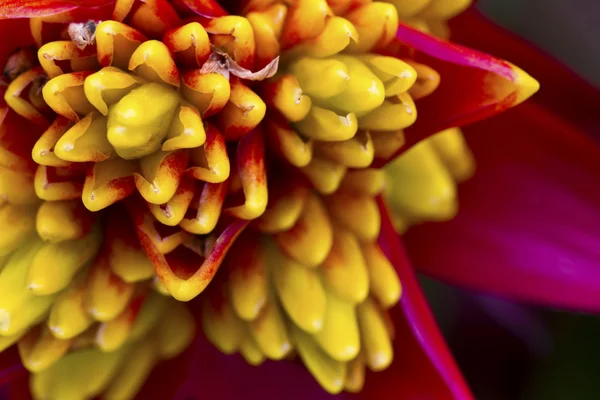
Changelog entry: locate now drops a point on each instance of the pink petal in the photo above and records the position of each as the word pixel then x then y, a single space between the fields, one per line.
pixel 40 8
pixel 528 220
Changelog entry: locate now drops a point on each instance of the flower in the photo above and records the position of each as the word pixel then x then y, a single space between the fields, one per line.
pixel 159 142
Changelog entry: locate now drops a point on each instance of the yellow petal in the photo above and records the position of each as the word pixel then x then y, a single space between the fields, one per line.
pixel 106 295
pixel 384 282
pixel 339 337
pixel 106 87
pixel 420 184
pixel 68 316
pixel 39 349
pixel 324 174
pixel 57 221
pixel 55 264
pixel 395 113
pixel 221 324
pixel 375 340
pixel 359 214
pixel 270 331
pixel 248 276
pixel 152 61
pixel 17 223
pixel 85 141
pixel 328 372
pixel 345 270
pixel 311 238
pixel 134 372
pixel 326 125
pixel 300 291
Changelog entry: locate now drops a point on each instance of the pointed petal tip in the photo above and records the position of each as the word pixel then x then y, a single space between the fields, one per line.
pixel 526 85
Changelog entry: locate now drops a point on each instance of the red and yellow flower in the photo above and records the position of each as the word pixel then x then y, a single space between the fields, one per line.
pixel 146 145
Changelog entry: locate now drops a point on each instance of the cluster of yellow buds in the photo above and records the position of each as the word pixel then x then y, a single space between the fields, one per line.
pixel 132 158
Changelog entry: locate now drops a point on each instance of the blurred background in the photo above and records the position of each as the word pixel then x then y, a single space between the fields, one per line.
pixel 508 350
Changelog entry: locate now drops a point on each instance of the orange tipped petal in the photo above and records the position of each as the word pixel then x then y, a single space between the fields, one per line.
pixel 116 42
pixel 189 44
pixel 66 96
pixel 160 175
pixel 43 150
pixel 253 176
pixel 107 182
pixel 186 262
pixel 152 61
pixel 210 163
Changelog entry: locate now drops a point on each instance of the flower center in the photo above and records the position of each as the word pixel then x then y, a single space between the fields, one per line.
pixel 139 123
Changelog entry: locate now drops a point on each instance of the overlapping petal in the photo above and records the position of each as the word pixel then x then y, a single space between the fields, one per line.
pixel 528 224
pixel 564 92
pixel 472 85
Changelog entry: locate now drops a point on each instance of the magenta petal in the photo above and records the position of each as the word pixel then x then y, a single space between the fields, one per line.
pixel 40 8
pixel 423 367
pixel 528 225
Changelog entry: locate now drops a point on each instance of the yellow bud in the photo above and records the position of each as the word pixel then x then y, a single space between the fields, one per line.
pixel 106 295
pixel 396 75
pixel 313 72
pixel 344 270
pixel 270 332
pixel 375 339
pixel 357 152
pixel 250 351
pixel 85 141
pixel 355 375
pixel 39 349
pixel 324 174
pixel 359 214
pixel 363 93
pixel 420 184
pixel 454 152
pixel 79 375
pixel 175 331
pixel 248 277
pixel 220 323
pixel 310 240
pixel 300 291
pixel 141 120
pixel 108 86
pixel 326 125
pixel 153 62
pixel 58 221
pixel 68 316
pixel 328 372
pixel 134 371
pixel 395 113
pixel 384 282
pixel 55 264
pixel 21 220
pixel 339 337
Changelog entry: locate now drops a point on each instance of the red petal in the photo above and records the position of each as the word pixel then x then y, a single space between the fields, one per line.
pixel 562 91
pixel 423 367
pixel 528 221
pixel 473 85
pixel 20 36
pixel 40 8
pixel 203 8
